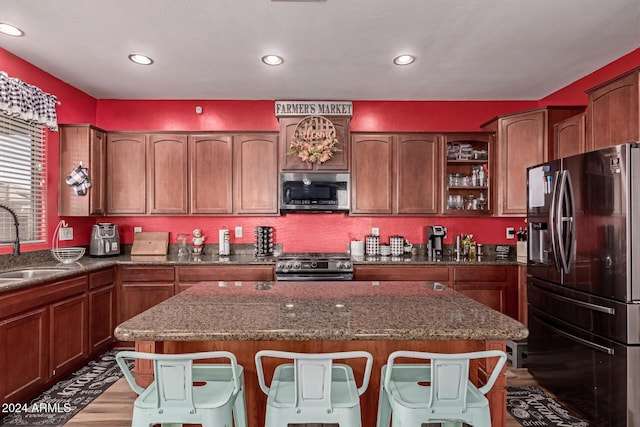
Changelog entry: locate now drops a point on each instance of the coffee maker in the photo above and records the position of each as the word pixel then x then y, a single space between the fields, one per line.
pixel 435 237
pixel 105 240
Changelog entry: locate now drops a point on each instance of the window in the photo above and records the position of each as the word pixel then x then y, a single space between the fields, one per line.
pixel 22 179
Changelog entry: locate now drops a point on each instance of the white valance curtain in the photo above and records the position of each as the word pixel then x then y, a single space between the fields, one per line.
pixel 27 102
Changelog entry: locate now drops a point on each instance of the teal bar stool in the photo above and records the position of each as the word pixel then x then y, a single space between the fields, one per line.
pixel 313 389
pixel 437 392
pixel 185 392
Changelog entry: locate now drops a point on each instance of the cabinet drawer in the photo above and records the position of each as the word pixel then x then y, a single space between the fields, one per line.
pixel 12 303
pixel 480 274
pixel 202 273
pixel 393 272
pixel 101 278
pixel 147 274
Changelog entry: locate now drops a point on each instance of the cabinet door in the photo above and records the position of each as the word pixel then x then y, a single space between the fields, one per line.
pixel 493 286
pixel 570 135
pixel 418 173
pixel 23 349
pixel 522 142
pixel 68 345
pixel 138 297
pixel 256 174
pixel 372 174
pixel 402 272
pixel 86 145
pixel 211 174
pixel 126 173
pixel 613 115
pixel 102 309
pixel 340 160
pixel 167 174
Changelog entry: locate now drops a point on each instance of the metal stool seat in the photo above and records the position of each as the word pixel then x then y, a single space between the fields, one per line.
pixel 183 392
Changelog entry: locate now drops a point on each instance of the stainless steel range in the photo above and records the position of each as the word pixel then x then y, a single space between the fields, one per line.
pixel 314 266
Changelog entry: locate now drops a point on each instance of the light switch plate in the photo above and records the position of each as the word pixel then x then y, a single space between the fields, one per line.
pixel 66 233
pixel 375 231
pixel 137 229
pixel 511 233
pixel 238 231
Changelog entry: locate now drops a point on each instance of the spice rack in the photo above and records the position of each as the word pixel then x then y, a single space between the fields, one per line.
pixel 467 175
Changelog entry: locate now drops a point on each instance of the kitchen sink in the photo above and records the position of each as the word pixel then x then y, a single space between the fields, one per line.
pixel 28 273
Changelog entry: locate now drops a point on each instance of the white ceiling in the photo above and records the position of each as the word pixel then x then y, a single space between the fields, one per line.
pixel 333 49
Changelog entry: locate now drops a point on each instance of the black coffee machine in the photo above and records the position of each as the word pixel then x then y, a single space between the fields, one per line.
pixel 435 237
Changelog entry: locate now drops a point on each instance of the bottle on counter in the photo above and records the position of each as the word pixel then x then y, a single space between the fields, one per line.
pixel 466 245
pixel 472 248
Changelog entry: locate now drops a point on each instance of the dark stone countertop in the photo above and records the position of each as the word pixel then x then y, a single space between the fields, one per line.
pixel 298 311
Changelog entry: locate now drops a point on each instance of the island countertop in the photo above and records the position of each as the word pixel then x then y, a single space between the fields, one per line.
pixel 356 310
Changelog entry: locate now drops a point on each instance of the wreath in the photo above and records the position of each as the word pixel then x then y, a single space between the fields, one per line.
pixel 314 140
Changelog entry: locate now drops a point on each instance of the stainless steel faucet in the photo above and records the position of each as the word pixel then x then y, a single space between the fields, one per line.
pixel 16 243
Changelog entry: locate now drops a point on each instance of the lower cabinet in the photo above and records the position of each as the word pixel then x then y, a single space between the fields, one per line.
pixel 102 310
pixel 143 287
pixel 190 275
pixel 493 286
pixel 43 336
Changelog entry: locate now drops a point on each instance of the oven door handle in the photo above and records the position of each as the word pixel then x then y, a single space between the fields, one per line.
pixel 313 278
pixel 582 341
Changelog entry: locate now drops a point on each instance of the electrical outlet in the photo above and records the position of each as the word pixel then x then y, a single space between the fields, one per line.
pixel 66 233
pixel 238 232
pixel 511 233
pixel 375 231
pixel 137 229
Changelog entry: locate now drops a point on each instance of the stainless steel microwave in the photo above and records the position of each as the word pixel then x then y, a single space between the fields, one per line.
pixel 314 192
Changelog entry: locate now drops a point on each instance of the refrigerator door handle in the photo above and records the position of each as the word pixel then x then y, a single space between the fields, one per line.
pixel 582 341
pixel 553 229
pixel 564 221
pixel 587 305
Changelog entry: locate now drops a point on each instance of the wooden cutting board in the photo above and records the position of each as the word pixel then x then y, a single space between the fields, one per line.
pixel 150 243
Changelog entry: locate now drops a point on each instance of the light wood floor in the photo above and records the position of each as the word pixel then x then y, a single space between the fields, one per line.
pixel 113 408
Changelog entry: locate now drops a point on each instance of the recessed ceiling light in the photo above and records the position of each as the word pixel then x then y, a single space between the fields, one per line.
pixel 140 59
pixel 404 59
pixel 272 59
pixel 10 30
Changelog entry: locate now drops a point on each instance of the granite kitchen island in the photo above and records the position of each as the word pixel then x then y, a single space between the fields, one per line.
pixel 379 317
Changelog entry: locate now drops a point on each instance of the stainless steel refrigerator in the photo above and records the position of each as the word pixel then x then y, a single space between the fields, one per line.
pixel 583 288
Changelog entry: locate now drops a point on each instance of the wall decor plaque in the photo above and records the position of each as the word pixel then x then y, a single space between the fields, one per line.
pixel 314 140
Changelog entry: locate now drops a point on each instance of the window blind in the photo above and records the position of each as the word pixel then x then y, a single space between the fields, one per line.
pixel 22 179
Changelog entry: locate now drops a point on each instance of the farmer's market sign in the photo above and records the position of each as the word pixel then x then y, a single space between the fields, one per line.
pixel 314 108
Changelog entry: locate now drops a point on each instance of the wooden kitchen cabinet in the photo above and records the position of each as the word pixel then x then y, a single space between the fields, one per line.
pixel 340 160
pixel 211 174
pixel 102 310
pixel 570 136
pixel 86 145
pixel 188 275
pixel 126 173
pixel 143 287
pixel 613 111
pixel 417 173
pixel 523 139
pixel 492 285
pixel 43 336
pixel 255 182
pixel 372 174
pixel 468 163
pixel 167 173
pixel 403 272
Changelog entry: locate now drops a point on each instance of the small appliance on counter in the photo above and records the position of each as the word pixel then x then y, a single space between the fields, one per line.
pixel 105 240
pixel 435 237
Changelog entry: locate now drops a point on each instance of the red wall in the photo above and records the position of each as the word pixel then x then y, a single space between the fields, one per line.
pixel 295 231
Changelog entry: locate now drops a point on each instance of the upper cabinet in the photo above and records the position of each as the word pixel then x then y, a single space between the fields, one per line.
pixel 82 145
pixel 126 173
pixel 167 173
pixel 395 173
pixel 256 174
pixel 570 136
pixel 292 162
pixel 468 165
pixel 613 113
pixel 522 139
pixel 210 174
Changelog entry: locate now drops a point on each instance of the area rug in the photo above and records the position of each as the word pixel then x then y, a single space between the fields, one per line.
pixel 532 407
pixel 58 404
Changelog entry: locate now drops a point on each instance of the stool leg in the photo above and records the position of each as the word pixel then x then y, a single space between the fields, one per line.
pixel 384 407
pixel 240 410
